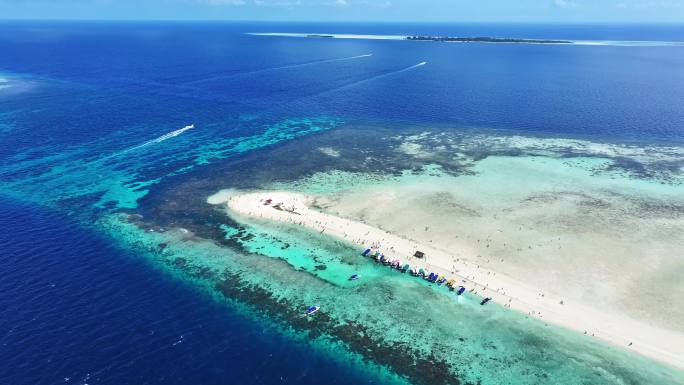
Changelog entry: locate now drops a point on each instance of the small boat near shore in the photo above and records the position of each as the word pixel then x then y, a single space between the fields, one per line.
pixel 311 310
pixel 421 272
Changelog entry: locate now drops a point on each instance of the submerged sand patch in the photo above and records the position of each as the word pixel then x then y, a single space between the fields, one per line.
pixel 329 151
pixel 609 242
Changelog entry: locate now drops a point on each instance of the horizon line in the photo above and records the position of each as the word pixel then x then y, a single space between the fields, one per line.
pixel 198 20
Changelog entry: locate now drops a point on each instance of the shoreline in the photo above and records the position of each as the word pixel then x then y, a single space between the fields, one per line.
pixel 659 344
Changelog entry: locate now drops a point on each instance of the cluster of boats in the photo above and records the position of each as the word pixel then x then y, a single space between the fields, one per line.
pixel 435 278
pixel 380 258
pixel 396 264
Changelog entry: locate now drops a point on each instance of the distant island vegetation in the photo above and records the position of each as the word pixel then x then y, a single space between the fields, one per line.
pixel 486 40
pixel 479 39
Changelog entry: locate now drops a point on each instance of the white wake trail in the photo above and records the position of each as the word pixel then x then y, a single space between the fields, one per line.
pixel 349 85
pixel 359 56
pixel 160 139
pixel 289 66
pixel 408 68
pixel 416 65
pixel 313 63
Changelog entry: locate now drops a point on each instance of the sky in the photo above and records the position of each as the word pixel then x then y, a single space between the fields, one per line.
pixel 351 10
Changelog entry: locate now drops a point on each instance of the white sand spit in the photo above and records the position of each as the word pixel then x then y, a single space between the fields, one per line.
pixel 649 340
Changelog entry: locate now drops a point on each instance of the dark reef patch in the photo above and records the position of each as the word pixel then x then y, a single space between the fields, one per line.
pixel 429 370
pixel 180 202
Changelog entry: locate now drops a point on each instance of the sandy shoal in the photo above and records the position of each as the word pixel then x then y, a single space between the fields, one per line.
pixel 657 343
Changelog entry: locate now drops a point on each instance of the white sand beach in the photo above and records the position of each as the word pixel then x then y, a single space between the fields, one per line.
pixel 654 341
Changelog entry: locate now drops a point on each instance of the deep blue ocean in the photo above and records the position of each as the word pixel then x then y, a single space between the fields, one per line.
pixel 77 308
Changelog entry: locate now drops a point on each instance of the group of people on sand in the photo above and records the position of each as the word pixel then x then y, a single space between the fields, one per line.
pixel 460 268
pixel 361 234
pixel 389 243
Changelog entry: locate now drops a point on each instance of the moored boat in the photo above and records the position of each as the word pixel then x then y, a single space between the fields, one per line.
pixel 354 277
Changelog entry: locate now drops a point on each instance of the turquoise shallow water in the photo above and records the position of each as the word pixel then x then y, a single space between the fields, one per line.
pixel 393 318
pixel 117 177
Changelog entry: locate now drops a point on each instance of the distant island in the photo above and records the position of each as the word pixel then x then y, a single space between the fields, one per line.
pixel 486 40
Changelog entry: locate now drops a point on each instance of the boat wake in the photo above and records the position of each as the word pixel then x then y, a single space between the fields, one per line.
pixel 362 81
pixel 413 66
pixel 289 66
pixel 358 56
pixel 160 139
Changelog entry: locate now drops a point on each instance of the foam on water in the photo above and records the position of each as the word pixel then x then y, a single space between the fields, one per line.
pixel 414 66
pixel 160 139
